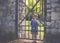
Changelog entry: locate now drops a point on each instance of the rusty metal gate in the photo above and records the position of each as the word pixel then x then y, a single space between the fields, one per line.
pixel 26 8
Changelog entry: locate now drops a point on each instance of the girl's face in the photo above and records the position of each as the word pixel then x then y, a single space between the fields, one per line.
pixel 34 18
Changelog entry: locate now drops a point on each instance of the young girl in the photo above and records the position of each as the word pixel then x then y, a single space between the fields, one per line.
pixel 34 26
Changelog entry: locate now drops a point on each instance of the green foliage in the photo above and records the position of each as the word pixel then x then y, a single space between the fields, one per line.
pixel 37 9
pixel 38 6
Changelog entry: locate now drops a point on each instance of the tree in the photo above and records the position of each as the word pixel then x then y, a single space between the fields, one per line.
pixel 36 9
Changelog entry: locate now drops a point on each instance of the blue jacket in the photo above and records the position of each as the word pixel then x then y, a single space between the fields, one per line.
pixel 34 26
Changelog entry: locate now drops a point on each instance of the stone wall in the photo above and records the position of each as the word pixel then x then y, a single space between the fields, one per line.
pixel 7 15
pixel 52 34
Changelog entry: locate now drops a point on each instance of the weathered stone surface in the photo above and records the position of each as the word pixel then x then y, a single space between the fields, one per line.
pixel 7 15
pixel 53 32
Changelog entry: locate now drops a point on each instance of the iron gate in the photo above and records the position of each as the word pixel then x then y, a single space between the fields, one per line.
pixel 26 8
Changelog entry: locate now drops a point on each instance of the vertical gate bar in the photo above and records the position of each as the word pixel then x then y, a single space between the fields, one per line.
pixel 31 13
pixel 28 20
pixel 19 18
pixel 36 6
pixel 40 22
pixel 29 27
pixel 16 19
pixel 39 26
pixel 42 18
pixel 36 14
pixel 35 34
pixel 20 25
pixel 29 23
pixel 25 19
pixel 45 13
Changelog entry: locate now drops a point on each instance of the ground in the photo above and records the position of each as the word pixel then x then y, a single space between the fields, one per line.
pixel 24 41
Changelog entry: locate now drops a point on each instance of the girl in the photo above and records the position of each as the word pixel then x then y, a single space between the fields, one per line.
pixel 34 26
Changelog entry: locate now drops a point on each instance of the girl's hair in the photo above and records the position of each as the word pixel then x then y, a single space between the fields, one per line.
pixel 34 16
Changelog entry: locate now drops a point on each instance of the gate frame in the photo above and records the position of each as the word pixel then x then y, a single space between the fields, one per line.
pixel 16 18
